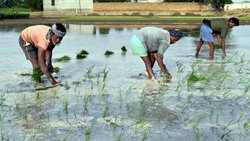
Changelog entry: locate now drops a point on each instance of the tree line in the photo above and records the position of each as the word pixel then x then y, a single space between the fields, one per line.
pixel 34 5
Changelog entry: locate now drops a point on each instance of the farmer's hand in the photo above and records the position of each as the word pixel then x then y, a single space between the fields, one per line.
pixel 53 82
pixel 168 75
pixel 50 68
pixel 224 55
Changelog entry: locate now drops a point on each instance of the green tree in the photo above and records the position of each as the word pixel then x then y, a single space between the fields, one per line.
pixel 221 3
pixel 183 0
pixel 34 5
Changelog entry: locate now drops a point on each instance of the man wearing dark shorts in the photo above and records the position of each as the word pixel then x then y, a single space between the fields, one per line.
pixel 37 43
pixel 219 27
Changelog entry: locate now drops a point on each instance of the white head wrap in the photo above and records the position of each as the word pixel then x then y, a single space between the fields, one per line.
pixel 57 32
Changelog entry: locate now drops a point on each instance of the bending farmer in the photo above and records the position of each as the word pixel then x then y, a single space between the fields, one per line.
pixel 219 27
pixel 150 43
pixel 38 42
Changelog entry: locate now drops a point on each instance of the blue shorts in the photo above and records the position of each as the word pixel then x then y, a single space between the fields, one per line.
pixel 137 47
pixel 206 33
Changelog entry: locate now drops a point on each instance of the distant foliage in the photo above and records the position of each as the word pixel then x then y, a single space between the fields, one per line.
pixel 35 5
pixel 13 15
pixel 221 3
pixel 111 0
pixel 183 1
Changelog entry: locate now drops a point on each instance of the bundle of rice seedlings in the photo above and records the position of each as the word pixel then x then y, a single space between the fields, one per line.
pixel 64 58
pixel 55 70
pixel 124 49
pixel 108 52
pixel 218 46
pixel 37 74
pixel 82 54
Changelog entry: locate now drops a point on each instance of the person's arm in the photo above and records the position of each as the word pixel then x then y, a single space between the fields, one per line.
pixel 223 47
pixel 218 38
pixel 162 66
pixel 49 56
pixel 41 63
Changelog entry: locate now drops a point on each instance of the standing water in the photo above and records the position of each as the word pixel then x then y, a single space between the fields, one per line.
pixel 109 98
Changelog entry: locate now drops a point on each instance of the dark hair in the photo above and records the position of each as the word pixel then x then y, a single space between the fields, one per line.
pixel 235 21
pixel 60 27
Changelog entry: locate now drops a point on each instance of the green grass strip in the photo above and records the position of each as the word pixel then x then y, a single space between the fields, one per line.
pixel 142 18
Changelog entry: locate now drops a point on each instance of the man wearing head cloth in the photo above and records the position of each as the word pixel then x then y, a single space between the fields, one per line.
pixel 150 43
pixel 37 43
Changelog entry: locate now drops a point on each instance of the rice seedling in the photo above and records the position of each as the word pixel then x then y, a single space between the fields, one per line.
pixel 2 136
pixel 98 79
pixel 123 49
pixel 64 58
pixel 217 116
pixel 241 116
pixel 186 119
pixel 123 117
pixel 247 123
pixel 66 105
pixel 86 100
pixel 67 85
pixel 67 135
pixel 171 123
pixel 162 112
pixel 120 136
pixel 229 124
pixel 105 110
pixel 105 73
pixel 128 91
pixel 38 94
pixel 180 67
pixel 119 93
pixel 145 134
pixel 17 107
pixel 58 114
pixel 116 122
pixel 88 132
pixel 200 118
pixel 164 101
pixel 47 115
pixel 90 69
pixel 143 91
pixel 226 134
pixel 2 99
pixel 183 110
pixel 92 84
pixel 108 52
pixel 82 54
pixel 199 134
pixel 25 117
pixel 33 135
pixel 68 123
pixel 141 126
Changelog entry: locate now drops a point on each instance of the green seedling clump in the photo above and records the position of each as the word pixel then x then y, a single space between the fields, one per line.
pixel 218 46
pixel 37 74
pixel 108 52
pixel 124 49
pixel 82 54
pixel 194 77
pixel 55 70
pixel 64 58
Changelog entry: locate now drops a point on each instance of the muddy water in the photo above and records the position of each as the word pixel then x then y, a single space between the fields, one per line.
pixel 126 103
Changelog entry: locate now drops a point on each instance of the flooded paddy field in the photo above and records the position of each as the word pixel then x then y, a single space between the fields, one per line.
pixel 109 98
